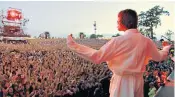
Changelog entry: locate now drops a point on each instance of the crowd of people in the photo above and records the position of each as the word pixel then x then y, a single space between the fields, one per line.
pixel 49 69
pixel 156 76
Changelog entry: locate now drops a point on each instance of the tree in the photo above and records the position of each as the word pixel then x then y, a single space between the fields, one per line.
pixel 93 36
pixel 169 34
pixel 149 20
pixel 99 36
pixel 47 35
pixel 144 32
pixel 116 35
pixel 154 38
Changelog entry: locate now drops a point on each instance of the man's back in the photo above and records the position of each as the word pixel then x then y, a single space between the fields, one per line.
pixel 131 55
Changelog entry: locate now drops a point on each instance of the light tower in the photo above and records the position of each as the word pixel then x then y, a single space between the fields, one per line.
pixel 95 27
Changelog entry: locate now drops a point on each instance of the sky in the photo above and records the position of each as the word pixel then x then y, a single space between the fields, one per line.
pixel 61 18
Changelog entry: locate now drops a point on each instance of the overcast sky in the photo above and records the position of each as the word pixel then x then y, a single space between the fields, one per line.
pixel 61 18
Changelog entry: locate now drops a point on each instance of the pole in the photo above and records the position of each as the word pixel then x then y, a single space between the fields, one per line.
pixel 95 27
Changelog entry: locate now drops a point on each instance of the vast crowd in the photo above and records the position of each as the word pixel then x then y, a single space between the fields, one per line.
pixel 47 68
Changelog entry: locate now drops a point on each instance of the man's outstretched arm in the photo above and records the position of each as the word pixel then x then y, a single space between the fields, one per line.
pixel 105 53
pixel 155 54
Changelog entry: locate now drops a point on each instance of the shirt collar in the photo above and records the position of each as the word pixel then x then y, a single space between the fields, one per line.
pixel 131 31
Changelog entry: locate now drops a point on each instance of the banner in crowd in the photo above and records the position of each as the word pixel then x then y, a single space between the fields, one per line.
pixel 45 41
pixel 14 38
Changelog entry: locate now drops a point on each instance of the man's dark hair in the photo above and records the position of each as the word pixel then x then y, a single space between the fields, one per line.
pixel 129 18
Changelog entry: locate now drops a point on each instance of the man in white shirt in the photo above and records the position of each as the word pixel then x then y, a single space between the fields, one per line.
pixel 126 56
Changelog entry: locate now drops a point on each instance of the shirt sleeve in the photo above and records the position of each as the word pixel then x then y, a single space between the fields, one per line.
pixel 150 93
pixel 155 54
pixel 105 53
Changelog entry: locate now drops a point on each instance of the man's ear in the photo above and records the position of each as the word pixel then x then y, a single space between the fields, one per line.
pixel 124 28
